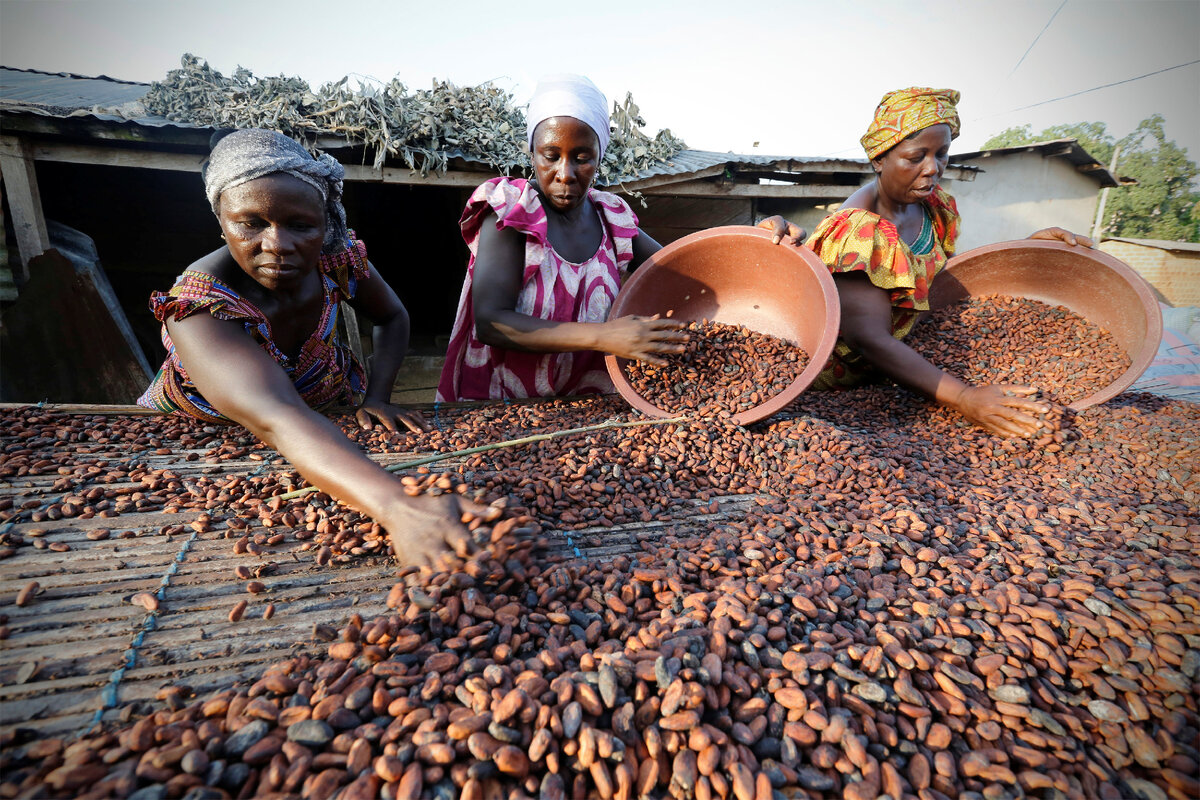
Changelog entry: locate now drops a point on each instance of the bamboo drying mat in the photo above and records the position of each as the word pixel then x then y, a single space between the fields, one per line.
pixel 61 666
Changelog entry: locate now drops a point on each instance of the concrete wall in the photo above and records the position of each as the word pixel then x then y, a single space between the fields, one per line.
pixel 1020 193
pixel 1174 275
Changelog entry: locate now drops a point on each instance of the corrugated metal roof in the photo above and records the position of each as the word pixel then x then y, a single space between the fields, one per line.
pixel 690 161
pixel 62 92
pixel 1160 244
pixel 1069 149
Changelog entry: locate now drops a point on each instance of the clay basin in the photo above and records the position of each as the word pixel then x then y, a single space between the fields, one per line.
pixel 1100 288
pixel 735 275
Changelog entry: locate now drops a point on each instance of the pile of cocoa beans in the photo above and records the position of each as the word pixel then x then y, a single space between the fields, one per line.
pixel 1002 339
pixel 909 608
pixel 724 369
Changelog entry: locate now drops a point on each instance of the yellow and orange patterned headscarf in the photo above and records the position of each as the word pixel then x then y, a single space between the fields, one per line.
pixel 907 111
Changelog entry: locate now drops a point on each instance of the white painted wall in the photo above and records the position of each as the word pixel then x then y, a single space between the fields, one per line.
pixel 1020 193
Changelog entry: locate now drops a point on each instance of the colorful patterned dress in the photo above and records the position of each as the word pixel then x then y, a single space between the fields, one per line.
pixel 854 240
pixel 325 372
pixel 552 289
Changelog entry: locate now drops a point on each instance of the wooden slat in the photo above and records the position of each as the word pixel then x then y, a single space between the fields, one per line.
pixel 14 147
pixel 24 203
pixel 80 628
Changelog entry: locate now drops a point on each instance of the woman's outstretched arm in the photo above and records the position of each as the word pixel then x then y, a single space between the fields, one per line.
pixel 242 382
pixel 866 327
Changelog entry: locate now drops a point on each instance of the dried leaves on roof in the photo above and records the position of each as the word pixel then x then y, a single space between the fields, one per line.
pixel 424 128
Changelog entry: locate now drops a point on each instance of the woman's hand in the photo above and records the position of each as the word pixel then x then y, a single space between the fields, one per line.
pixel 1062 235
pixel 426 529
pixel 1002 409
pixel 782 230
pixel 643 338
pixel 388 415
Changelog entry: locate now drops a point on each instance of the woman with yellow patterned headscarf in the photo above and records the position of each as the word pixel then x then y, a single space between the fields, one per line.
pixel 887 243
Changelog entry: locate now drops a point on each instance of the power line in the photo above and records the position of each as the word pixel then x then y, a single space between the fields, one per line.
pixel 1093 89
pixel 1056 99
pixel 1035 39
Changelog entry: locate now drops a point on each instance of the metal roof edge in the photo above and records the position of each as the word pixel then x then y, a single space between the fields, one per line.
pixel 1068 148
pixel 1160 244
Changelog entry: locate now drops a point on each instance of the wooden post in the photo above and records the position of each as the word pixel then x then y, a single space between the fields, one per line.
pixel 348 324
pixel 20 184
pixel 1098 225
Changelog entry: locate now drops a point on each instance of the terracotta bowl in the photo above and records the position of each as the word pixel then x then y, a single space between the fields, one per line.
pixel 735 275
pixel 1103 290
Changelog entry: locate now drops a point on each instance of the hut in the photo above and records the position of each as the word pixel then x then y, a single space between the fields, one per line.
pixel 1024 188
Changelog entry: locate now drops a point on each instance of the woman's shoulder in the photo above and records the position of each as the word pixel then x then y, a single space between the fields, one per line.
pixel 513 202
pixel 846 223
pixel 615 211
pixel 348 266
pixel 204 285
pixel 946 222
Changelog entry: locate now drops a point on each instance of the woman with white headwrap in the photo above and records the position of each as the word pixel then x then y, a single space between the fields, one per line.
pixel 547 259
pixel 251 333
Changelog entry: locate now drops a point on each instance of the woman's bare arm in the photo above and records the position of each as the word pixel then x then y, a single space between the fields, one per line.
pixel 378 302
pixel 499 268
pixel 242 382
pixel 866 327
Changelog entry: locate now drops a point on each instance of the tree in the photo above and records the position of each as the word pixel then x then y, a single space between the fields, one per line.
pixel 1164 204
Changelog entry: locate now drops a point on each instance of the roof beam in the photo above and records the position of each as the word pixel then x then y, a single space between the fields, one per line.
pixel 710 189
pixel 646 184
pixel 191 162
pixel 101 156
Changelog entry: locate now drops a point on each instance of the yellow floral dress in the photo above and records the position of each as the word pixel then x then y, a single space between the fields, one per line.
pixel 854 240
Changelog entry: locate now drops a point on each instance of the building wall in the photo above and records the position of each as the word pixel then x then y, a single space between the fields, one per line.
pixel 667 218
pixel 1174 275
pixel 1020 193
pixel 807 213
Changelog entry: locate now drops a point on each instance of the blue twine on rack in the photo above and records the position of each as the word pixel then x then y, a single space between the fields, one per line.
pixel 109 695
pixel 574 547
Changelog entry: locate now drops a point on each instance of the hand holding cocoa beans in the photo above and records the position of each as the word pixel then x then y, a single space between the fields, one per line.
pixel 643 338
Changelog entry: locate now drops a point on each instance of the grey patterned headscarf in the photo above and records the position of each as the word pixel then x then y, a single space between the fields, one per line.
pixel 253 153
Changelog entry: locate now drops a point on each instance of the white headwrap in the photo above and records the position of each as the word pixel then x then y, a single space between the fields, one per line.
pixel 569 95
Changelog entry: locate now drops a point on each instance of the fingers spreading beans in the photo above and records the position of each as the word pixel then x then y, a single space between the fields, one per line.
pixel 1002 339
pixel 724 369
pixel 900 605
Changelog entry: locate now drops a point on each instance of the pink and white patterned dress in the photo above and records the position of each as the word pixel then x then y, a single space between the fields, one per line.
pixel 552 289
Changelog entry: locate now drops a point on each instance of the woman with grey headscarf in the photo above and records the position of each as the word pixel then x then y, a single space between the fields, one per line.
pixel 251 334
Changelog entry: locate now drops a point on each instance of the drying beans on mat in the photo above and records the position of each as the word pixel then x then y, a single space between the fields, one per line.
pixel 725 369
pixel 904 607
pixel 1001 339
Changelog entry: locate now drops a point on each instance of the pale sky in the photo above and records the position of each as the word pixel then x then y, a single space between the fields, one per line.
pixel 799 78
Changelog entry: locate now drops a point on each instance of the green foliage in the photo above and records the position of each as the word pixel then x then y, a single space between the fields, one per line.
pixel 1164 204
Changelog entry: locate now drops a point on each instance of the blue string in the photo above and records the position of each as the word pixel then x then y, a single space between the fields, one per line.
pixel 574 547
pixel 109 695
pixel 150 623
